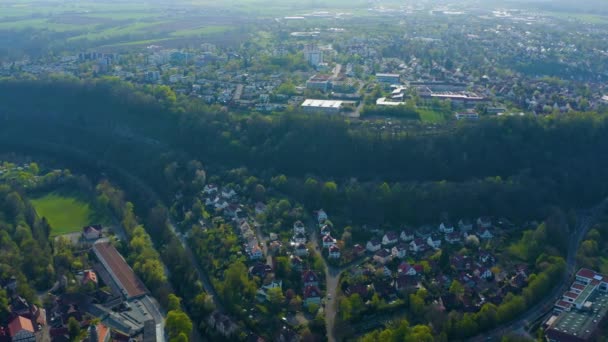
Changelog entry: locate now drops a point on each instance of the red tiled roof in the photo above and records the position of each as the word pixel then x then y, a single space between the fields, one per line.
pixel 578 286
pixel 571 295
pixel 18 324
pixel 585 273
pixel 119 269
pixel 404 267
pixel 102 332
pixel 90 276
pixel 328 238
pixel 563 304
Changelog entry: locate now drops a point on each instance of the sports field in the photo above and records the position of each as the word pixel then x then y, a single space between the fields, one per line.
pixel 65 214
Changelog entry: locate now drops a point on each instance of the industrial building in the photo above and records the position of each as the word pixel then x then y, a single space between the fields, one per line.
pixel 324 106
pixel 319 82
pixel 121 273
pixel 388 78
pixel 581 310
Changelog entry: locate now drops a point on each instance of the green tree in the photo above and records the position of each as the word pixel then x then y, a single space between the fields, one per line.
pixel 177 323
pixel 456 288
pixel 174 302
pixel 73 329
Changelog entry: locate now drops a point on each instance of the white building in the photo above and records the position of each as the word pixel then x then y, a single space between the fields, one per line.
pixel 324 106
pixel 313 55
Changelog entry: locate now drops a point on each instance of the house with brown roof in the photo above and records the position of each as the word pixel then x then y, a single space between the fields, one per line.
pixel 120 272
pixel 21 329
pixel 390 238
pixel 91 233
pixel 383 256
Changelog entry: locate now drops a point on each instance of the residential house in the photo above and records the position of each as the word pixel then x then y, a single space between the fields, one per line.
pixel 484 222
pixel 434 241
pixel 519 280
pixel 91 233
pixel 220 204
pixel 299 228
pixel 260 208
pixel 484 233
pixel 373 245
pixel 390 238
pixel 358 250
pixel 465 225
pixel 407 235
pixel 232 210
pixel 301 250
pixel 467 280
pixel 296 263
pixel 274 247
pixel 328 241
pixel 385 289
pixel 487 258
pixel 399 251
pixel 299 238
pixel 446 227
pixel 483 272
pixel 418 245
pixel 453 238
pixel 406 269
pixel 210 189
pixel 312 295
pixel 310 278
pixel 260 270
pixel 325 230
pixel 262 293
pixel 361 289
pixel 21 329
pixel 461 263
pixel 256 252
pixel 334 252
pixel 406 283
pixel 321 216
pixel 385 271
pixel 228 193
pixel 383 256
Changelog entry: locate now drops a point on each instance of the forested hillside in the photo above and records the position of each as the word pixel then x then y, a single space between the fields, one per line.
pixel 531 161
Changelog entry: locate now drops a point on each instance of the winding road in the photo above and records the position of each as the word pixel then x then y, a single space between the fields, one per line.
pixel 332 279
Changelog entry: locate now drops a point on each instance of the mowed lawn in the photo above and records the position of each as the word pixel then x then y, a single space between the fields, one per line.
pixel 65 214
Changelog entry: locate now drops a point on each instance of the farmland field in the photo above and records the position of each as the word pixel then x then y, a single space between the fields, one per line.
pixel 64 213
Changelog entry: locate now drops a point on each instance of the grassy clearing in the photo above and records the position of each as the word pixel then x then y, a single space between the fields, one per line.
pixel 431 116
pixel 66 214
pixel 200 31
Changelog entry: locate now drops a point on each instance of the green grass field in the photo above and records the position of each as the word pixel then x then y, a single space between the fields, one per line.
pixel 64 213
pixel 431 116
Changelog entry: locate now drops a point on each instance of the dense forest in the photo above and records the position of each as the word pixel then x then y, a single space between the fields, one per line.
pixel 518 165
